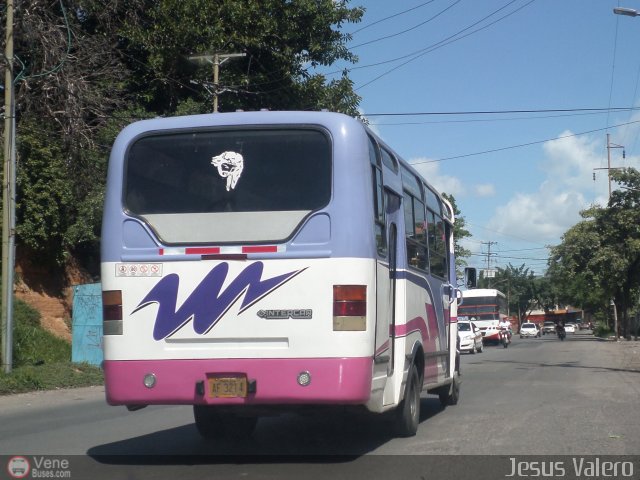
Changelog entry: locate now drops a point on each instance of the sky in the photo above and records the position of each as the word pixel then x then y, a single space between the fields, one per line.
pixel 556 77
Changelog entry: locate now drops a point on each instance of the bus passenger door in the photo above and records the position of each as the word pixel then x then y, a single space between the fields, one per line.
pixel 386 293
pixel 444 295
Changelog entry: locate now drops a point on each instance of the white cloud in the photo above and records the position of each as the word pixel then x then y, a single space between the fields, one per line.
pixel 485 190
pixel 542 216
pixel 442 183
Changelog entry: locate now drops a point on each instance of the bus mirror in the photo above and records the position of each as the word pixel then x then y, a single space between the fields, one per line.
pixel 470 277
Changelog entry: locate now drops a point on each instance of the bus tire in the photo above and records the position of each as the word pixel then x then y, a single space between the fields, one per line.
pixel 212 425
pixel 208 422
pixel 408 412
pixel 452 394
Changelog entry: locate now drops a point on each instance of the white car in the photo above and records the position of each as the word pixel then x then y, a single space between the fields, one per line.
pixel 570 328
pixel 529 329
pixel 470 337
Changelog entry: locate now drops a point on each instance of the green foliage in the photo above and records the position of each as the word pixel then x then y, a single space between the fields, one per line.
pixel 32 345
pixel 599 258
pixel 459 233
pixel 282 41
pixel 602 330
pixel 26 315
pixel 519 286
pixel 129 60
pixel 41 360
pixel 44 192
pixel 50 376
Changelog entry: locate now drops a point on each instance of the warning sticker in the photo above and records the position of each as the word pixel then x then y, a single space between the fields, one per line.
pixel 138 269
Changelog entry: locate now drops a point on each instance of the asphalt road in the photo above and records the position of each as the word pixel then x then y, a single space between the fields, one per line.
pixel 537 397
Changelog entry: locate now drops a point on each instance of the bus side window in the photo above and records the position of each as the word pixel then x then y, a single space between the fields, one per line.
pixel 378 199
pixel 438 235
pixel 414 222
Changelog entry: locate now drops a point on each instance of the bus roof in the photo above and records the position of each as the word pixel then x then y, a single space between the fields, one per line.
pixel 482 292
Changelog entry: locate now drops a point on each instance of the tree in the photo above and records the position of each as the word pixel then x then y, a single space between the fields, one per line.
pixel 518 283
pixel 86 68
pixel 283 42
pixel 599 258
pixel 459 233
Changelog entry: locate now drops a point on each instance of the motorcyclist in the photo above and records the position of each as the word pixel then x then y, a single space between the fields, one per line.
pixel 505 326
pixel 560 329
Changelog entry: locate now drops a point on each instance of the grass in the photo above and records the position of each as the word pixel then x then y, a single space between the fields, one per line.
pixel 42 361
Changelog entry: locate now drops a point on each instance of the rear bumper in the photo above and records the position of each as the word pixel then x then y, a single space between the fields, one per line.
pixel 492 337
pixel 345 381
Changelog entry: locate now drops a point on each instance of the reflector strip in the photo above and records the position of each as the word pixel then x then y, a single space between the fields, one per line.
pixel 202 251
pixel 231 250
pixel 260 249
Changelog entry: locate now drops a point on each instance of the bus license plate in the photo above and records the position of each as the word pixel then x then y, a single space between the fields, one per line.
pixel 228 387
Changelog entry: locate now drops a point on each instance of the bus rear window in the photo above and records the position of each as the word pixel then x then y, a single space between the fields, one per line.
pixel 225 178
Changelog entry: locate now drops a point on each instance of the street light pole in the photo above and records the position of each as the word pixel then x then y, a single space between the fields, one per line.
pixel 629 12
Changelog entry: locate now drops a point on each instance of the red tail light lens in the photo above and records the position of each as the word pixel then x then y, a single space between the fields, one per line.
pixel 350 307
pixel 112 305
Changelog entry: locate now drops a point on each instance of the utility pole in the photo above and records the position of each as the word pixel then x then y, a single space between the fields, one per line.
pixel 615 319
pixel 8 204
pixel 609 147
pixel 489 259
pixel 216 60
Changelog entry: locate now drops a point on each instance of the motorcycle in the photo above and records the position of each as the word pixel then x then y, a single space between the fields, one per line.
pixel 562 334
pixel 505 337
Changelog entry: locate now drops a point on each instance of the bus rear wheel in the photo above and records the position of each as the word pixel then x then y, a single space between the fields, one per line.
pixel 212 424
pixel 408 412
pixel 452 395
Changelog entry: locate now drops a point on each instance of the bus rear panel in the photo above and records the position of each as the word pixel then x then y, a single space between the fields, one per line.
pixel 264 259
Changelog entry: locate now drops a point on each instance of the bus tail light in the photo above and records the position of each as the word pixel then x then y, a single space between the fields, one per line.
pixel 349 307
pixel 112 312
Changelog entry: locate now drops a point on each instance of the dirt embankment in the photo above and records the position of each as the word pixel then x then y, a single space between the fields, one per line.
pixel 49 292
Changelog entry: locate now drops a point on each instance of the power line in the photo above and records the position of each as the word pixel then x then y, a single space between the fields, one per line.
pixel 391 16
pixel 487 120
pixel 407 29
pixel 451 39
pixel 528 144
pixel 423 51
pixel 502 233
pixel 500 112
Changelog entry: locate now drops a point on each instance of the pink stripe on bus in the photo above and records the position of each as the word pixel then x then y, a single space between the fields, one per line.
pixel 345 381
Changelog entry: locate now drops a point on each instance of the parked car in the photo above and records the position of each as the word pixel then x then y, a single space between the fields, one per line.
pixel 470 337
pixel 529 330
pixel 548 327
pixel 570 327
